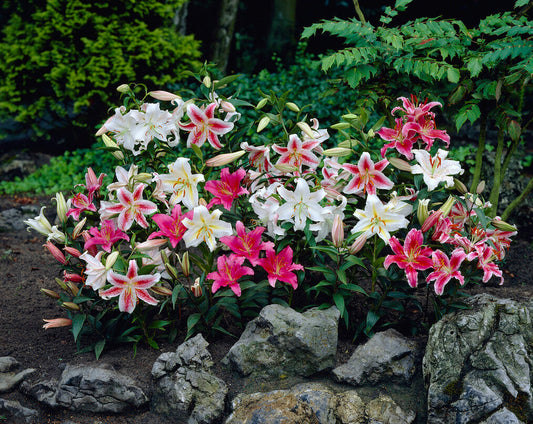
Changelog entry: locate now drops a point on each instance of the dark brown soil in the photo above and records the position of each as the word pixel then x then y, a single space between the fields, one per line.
pixel 26 267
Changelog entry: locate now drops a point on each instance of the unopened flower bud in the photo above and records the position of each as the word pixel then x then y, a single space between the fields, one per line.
pixel 172 271
pixel 286 167
pixel 61 207
pixel 71 306
pixel 143 177
pixel 304 126
pixel 117 154
pixel 164 291
pixel 265 120
pixel 261 103
pixel 185 265
pixel 150 244
pixel 78 230
pixel 371 133
pixel 72 251
pixel 224 158
pixel 480 187
pixel 202 202
pixel 56 253
pixel 502 225
pixel 447 206
pixel 69 276
pixel 72 288
pixel 164 96
pixel 227 107
pixel 292 106
pixel 337 152
pixel 431 220
pixel 341 126
pixel 207 81
pixel 337 231
pixel 57 322
pixel 50 293
pixel 357 245
pixel 196 288
pixel 348 144
pixel 110 260
pixel 422 212
pixel 459 186
pixel 61 284
pixel 123 88
pixel 349 116
pixel 400 164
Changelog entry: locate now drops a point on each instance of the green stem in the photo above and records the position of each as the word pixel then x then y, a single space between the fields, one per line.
pixel 497 180
pixel 359 11
pixel 517 200
pixel 480 151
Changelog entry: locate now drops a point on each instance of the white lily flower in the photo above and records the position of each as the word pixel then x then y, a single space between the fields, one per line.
pixel 205 227
pixel 377 219
pixel 181 183
pixel 301 204
pixel 95 270
pixel 40 223
pixel 435 169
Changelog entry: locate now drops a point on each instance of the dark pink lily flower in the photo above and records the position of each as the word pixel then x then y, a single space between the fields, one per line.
pixel 413 109
pixel 92 183
pixel 248 244
pixel 171 226
pixel 227 189
pixel 106 236
pixel 80 203
pixel 204 126
pixel 400 139
pixel 446 268
pixel 367 176
pixel 280 267
pixel 229 270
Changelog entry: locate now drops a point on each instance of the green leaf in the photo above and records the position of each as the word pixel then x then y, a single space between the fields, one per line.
pixel 371 319
pixel 339 303
pixel 355 288
pixel 77 325
pixel 191 322
pixel 474 66
pixel 453 75
pixel 520 3
pixel 158 324
pixel 99 348
pixel 197 151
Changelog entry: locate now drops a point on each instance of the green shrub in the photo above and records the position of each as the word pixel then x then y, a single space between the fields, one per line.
pixel 61 66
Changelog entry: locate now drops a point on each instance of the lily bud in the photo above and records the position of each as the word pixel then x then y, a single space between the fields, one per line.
pixel 480 187
pixel 432 219
pixel 400 164
pixel 349 116
pixel 207 81
pixel 172 271
pixel 123 88
pixel 502 225
pixel 357 245
pixel 196 288
pixel 71 306
pixel 150 244
pixel 265 120
pixel 285 167
pixel 61 284
pixel 57 322
pixel 202 202
pixel 164 291
pixel 72 251
pixel 56 253
pixel 110 260
pixel 304 126
pixel 447 207
pixel 337 231
pixel 61 207
pixel 337 152
pixel 75 278
pixel 50 293
pixel 422 212
pixel 185 265
pixel 341 126
pixel 224 158
pixel 348 144
pixel 292 106
pixel 227 107
pixel 72 288
pixel 371 133
pixel 117 154
pixel 459 186
pixel 261 103
pixel 143 177
pixel 164 96
pixel 78 229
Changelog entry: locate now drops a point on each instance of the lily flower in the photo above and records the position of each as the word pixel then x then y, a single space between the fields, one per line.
pixel 129 287
pixel 57 322
pixel 411 257
pixel 205 227
pixel 298 153
pixel 80 203
pixel 227 189
pixel 229 270
pixel 96 271
pixel 436 169
pixel 40 223
pixel 248 245
pixel 258 157
pixel 376 218
pixel 413 109
pixel 446 268
pixel 280 267
pixel 106 236
pixel 401 139
pixel 367 176
pixel 181 183
pixel 204 126
pixel 93 184
pixel 171 226
pixel 132 207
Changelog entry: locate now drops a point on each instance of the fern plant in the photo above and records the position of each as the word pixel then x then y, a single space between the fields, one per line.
pixel 483 73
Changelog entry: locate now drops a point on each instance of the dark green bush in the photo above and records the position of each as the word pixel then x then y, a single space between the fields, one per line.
pixel 61 66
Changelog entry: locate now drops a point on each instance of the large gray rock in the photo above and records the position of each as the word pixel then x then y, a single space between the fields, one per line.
pixel 89 388
pixel 383 410
pixel 185 387
pixel 17 412
pixel 283 341
pixel 388 356
pixel 478 364
pixel 9 378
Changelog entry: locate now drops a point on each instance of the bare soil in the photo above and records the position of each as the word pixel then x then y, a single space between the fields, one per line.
pixel 25 267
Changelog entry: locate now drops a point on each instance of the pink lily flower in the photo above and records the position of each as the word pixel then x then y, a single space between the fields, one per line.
pixel 258 157
pixel 248 245
pixel 171 226
pixel 413 109
pixel 368 176
pixel 486 258
pixel 280 267
pixel 446 268
pixel 411 257
pixel 106 236
pixel 130 287
pixel 425 128
pixel 229 270
pixel 227 189
pixel 298 153
pixel 400 138
pixel 81 203
pixel 132 207
pixel 93 184
pixel 204 126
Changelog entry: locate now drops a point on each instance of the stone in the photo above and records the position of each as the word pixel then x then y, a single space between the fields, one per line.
pixel 387 356
pixel 185 387
pixel 384 410
pixel 9 380
pixel 17 412
pixel 350 409
pixel 8 363
pixel 89 388
pixel 281 341
pixel 477 363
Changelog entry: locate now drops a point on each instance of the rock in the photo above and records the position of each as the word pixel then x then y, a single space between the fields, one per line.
pixel 282 341
pixel 350 409
pixel 384 410
pixel 388 356
pixel 89 388
pixel 13 219
pixel 185 387
pixel 8 363
pixel 477 363
pixel 9 380
pixel 18 413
